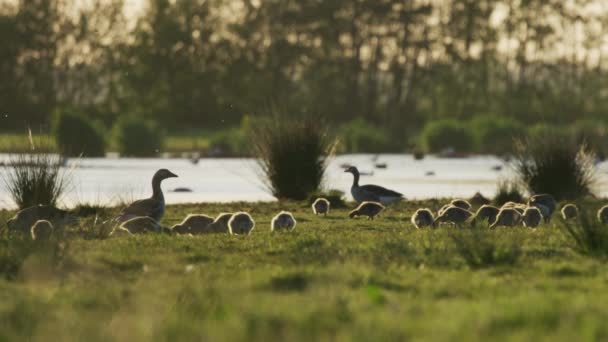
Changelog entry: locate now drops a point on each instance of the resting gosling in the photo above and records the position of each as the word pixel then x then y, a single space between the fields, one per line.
pixel 241 223
pixel 220 224
pixel 321 206
pixel 602 214
pixel 454 215
pixel 443 209
pixel 283 220
pixel 42 230
pixel 369 209
pixel 508 217
pixel 195 224
pixel 460 203
pixel 23 221
pixel 486 213
pixel 532 217
pixel 423 218
pixel 141 224
pixel 569 211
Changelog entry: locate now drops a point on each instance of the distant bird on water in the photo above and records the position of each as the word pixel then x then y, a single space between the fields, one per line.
pixel 369 192
pixel 153 207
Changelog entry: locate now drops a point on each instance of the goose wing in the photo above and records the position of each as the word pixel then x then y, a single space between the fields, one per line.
pixel 379 191
pixel 146 207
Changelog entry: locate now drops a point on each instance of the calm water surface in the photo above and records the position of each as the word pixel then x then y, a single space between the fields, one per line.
pixel 108 180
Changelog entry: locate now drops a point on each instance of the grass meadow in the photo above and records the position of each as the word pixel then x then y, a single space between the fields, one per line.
pixel 330 279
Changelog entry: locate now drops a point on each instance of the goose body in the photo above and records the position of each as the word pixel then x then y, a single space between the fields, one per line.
pixel 545 200
pixel 460 203
pixel 195 224
pixel 241 223
pixel 141 224
pixel 24 220
pixel 532 217
pixel 153 207
pixel 486 213
pixel 602 214
pixel 370 192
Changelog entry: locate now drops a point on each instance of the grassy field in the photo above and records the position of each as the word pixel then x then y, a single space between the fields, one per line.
pixel 330 279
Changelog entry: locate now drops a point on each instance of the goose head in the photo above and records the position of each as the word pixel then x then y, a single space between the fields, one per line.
pixel 352 170
pixel 164 174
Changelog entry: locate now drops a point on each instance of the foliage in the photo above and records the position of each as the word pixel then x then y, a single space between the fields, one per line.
pixel 138 137
pixel 230 142
pixel 292 154
pixel 442 134
pixel 482 247
pixel 33 179
pixel 335 197
pixel 359 136
pixel 592 134
pixel 495 135
pixel 508 191
pixel 589 236
pixel 76 135
pixel 554 165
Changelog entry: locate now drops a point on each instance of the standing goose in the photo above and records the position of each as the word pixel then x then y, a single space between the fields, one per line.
pixel 371 193
pixel 153 207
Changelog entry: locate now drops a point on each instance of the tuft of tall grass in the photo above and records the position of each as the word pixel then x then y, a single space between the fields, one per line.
pixel 33 179
pixel 292 154
pixel 508 191
pixel 481 247
pixel 590 237
pixel 551 164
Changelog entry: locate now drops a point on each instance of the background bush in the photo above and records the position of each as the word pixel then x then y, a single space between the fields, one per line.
pixel 359 136
pixel 495 135
pixel 441 134
pixel 552 164
pixel 508 191
pixel 292 154
pixel 138 137
pixel 76 135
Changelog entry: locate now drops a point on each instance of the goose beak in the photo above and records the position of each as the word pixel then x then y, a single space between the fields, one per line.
pixel 172 175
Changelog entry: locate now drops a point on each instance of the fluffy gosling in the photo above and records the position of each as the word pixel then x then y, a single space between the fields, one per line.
pixel 241 223
pixel 486 213
pixel 602 214
pixel 532 217
pixel 454 215
pixel 42 230
pixel 321 206
pixel 569 211
pixel 423 218
pixel 283 221
pixel 369 209
pixel 508 217
pixel 460 203
pixel 141 224
pixel 220 224
pixel 194 224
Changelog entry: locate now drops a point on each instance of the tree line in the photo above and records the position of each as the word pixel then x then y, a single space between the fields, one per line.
pixel 394 64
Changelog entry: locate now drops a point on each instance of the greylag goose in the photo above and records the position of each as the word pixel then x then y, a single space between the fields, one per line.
pixel 321 206
pixel 602 214
pixel 569 211
pixel 546 200
pixel 283 220
pixel 532 217
pixel 423 218
pixel 367 208
pixel 508 217
pixel 42 230
pixel 454 215
pixel 486 213
pixel 153 207
pixel 241 223
pixel 369 192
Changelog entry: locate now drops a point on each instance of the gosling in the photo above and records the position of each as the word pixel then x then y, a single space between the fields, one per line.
pixel 460 203
pixel 369 209
pixel 486 213
pixel 508 217
pixel 141 224
pixel 220 224
pixel 602 214
pixel 443 209
pixel 532 217
pixel 454 215
pixel 283 221
pixel 321 206
pixel 569 211
pixel 423 218
pixel 42 230
pixel 241 223
pixel 194 224
pixel 546 200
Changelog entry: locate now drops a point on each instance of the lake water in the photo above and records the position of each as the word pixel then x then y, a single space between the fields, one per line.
pixel 110 180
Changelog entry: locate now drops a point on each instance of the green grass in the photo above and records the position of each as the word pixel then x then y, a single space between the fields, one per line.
pixel 330 279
